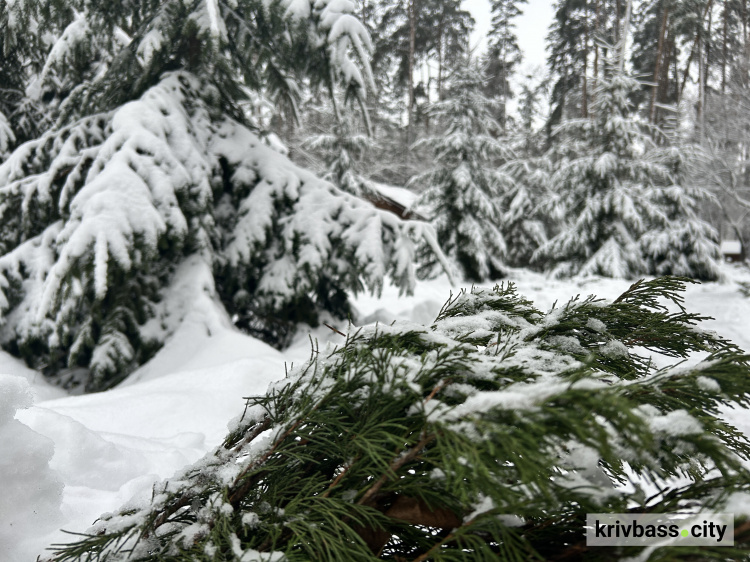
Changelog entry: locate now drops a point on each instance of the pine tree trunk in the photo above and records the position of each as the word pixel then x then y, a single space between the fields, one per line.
pixel 670 57
pixel 701 90
pixel 675 68
pixel 657 64
pixel 504 86
pixel 429 83
pixel 724 41
pixel 440 57
pixel 584 102
pixel 617 22
pixel 692 51
pixel 410 78
pixel 625 31
pixel 707 42
pixel 597 30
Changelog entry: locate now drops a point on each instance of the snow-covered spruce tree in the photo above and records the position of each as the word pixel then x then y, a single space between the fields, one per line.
pixel 487 436
pixel 525 184
pixel 153 172
pixel 462 193
pixel 614 185
pixel 683 243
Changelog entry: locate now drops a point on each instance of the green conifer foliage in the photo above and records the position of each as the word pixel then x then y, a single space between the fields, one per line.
pixel 486 436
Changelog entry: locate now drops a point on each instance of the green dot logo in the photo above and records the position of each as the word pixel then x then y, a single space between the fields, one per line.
pixel 684 532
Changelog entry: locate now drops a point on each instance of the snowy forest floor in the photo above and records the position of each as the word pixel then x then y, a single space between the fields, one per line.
pixel 113 446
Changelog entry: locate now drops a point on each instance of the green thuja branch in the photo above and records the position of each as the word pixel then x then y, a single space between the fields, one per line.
pixel 489 435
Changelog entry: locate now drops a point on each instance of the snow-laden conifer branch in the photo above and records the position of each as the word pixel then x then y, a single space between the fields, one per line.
pixel 96 64
pixel 100 215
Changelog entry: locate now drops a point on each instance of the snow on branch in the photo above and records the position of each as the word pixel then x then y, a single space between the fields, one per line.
pixel 99 215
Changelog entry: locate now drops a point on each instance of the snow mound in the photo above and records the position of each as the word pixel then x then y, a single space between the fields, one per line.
pixel 31 490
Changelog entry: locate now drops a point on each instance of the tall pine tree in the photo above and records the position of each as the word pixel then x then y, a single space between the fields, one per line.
pixel 577 42
pixel 503 53
pixel 411 32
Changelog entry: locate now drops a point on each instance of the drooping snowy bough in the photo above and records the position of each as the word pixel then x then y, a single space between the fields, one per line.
pixel 487 436
pixel 155 162
pixel 91 242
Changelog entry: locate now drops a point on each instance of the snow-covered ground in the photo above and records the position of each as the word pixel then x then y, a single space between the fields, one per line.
pixel 90 454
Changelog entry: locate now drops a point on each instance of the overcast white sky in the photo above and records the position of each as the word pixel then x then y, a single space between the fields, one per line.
pixel 531 28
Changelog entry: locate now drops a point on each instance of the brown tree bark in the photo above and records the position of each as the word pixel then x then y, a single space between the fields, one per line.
pixel 412 36
pixel 440 58
pixel 625 32
pixel 585 101
pixel 701 109
pixel 692 50
pixel 617 22
pixel 597 30
pixel 657 64
pixel 724 41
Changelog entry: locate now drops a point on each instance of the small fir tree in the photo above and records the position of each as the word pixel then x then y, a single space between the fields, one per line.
pixel 619 198
pixel 683 243
pixel 530 104
pixel 488 436
pixel 462 192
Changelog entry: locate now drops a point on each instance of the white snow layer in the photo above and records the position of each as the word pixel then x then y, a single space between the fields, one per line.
pixel 113 446
pixel 31 490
